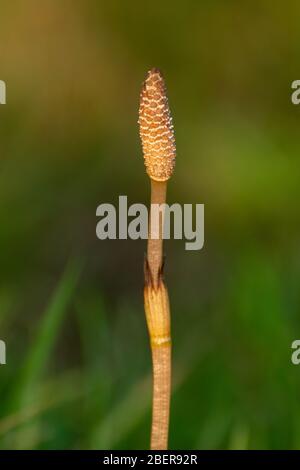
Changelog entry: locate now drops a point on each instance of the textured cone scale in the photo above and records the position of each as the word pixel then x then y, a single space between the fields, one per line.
pixel 156 128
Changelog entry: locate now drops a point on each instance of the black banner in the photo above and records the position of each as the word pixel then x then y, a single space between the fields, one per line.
pixel 132 459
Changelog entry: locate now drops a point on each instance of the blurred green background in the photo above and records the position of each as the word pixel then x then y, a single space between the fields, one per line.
pixel 78 371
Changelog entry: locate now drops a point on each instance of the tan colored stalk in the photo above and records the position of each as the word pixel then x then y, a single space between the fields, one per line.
pixel 156 131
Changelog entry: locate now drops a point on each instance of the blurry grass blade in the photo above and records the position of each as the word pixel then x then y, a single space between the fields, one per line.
pixel 48 331
pixel 51 323
pixel 124 416
pixel 53 393
pixel 239 438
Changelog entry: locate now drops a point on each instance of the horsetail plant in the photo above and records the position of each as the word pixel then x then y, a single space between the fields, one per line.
pixel 158 143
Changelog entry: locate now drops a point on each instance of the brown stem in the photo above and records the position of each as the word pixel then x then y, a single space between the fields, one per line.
pixel 155 246
pixel 161 358
pixel 158 320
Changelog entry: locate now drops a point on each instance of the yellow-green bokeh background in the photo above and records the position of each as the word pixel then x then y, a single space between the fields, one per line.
pixel 71 312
